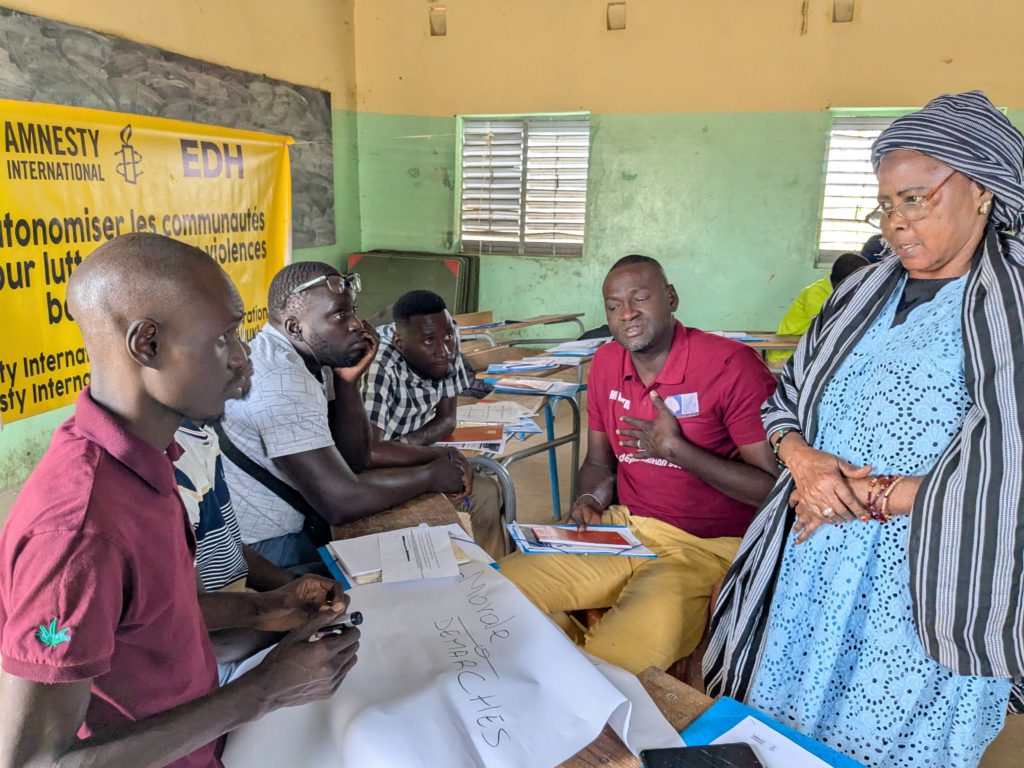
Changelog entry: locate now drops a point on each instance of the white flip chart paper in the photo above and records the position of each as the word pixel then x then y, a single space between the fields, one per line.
pixel 464 674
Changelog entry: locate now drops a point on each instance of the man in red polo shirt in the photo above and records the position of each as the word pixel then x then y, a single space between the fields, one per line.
pixel 675 438
pixel 106 659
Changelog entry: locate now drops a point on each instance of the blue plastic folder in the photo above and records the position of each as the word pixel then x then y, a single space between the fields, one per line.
pixel 726 713
pixel 334 568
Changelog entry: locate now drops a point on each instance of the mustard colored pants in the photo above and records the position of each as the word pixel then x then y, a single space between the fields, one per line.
pixel 658 607
pixel 485 515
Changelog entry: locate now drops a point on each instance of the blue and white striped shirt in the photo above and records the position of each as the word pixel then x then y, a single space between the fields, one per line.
pixel 200 477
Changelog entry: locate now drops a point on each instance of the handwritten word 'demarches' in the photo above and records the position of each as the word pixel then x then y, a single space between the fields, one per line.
pixel 476 674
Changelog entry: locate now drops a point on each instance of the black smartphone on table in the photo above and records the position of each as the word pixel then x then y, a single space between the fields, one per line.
pixel 710 756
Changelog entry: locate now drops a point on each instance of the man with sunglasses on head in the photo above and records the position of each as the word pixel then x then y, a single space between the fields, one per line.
pixel 296 450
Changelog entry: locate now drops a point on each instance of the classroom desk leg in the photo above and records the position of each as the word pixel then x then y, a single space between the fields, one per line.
pixel 572 437
pixel 556 496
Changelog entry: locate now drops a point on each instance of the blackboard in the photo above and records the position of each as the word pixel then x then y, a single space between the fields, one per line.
pixel 48 61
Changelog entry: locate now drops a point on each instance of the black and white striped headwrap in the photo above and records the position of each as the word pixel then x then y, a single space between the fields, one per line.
pixel 966 542
pixel 968 134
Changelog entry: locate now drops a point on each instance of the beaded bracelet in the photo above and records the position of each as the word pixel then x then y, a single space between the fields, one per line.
pixel 878 496
pixel 782 432
pixel 884 511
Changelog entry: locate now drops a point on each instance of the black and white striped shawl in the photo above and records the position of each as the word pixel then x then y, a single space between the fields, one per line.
pixel 966 543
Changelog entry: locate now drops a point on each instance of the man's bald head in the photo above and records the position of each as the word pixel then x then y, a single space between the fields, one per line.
pixel 134 276
pixel 162 323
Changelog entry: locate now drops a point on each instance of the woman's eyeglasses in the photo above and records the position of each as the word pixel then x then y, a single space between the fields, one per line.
pixel 335 283
pixel 914 209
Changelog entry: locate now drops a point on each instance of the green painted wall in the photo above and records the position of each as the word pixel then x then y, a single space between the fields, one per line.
pixel 347 237
pixel 728 202
pixel 407 182
pixel 23 442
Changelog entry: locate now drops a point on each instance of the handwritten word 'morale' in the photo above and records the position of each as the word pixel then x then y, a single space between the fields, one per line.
pixel 476 678
pixel 481 606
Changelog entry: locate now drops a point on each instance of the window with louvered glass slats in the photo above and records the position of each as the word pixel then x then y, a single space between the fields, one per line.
pixel 851 189
pixel 524 185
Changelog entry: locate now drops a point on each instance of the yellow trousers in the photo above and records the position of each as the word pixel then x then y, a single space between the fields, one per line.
pixel 658 607
pixel 485 515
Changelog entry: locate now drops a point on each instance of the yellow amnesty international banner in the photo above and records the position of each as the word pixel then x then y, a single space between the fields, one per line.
pixel 71 179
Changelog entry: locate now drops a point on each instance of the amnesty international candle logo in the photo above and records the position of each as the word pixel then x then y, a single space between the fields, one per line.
pixel 128 159
pixel 72 179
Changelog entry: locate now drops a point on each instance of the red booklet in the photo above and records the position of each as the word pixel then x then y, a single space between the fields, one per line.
pixel 485 433
pixel 592 537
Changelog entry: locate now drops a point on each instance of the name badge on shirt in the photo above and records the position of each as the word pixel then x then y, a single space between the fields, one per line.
pixel 683 405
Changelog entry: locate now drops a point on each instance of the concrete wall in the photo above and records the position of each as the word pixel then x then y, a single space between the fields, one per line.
pixel 709 128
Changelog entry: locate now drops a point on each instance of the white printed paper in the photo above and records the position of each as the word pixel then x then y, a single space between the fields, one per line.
pixel 357 556
pixel 465 674
pixel 491 413
pixel 416 553
pixel 771 747
pixel 552 360
pixel 581 344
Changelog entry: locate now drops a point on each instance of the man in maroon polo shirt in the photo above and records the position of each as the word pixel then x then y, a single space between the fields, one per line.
pixel 105 655
pixel 675 438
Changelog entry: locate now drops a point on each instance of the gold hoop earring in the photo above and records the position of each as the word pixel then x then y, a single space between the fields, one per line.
pixel 985 208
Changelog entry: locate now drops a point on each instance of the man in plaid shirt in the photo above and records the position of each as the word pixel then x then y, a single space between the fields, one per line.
pixel 410 394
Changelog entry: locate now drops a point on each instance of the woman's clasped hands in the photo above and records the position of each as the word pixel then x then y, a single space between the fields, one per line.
pixel 829 490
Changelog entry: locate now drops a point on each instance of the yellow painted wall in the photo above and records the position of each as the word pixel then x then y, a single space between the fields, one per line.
pixel 307 42
pixel 682 55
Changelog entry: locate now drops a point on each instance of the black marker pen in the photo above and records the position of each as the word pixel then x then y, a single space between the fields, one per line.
pixel 345 621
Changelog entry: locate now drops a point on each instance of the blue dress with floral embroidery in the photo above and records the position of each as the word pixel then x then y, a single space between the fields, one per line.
pixel 843 662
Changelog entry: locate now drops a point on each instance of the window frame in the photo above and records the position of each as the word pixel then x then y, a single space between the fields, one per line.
pixel 825 258
pixel 460 121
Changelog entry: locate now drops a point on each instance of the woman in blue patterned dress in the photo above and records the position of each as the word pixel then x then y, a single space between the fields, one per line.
pixel 875 602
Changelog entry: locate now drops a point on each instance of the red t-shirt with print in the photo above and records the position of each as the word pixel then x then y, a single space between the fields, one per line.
pixel 716 387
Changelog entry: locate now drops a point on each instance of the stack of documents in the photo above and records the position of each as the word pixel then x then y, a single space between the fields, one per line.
pixel 505 420
pixel 581 348
pixel 406 554
pixel 492 412
pixel 556 361
pixel 565 539
pixel 484 438
pixel 535 386
pixel 741 336
pixel 526 365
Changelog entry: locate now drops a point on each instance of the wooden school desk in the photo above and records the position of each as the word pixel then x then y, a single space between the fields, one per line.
pixel 430 508
pixel 466 332
pixel 764 342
